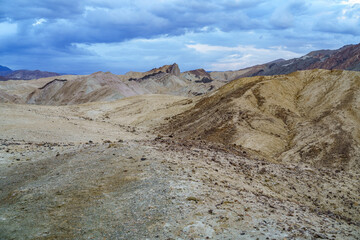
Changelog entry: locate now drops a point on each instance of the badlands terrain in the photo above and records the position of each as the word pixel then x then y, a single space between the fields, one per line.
pixel 166 154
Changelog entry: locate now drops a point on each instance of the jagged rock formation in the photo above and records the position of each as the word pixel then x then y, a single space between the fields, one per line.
pixel 168 80
pixel 198 75
pixel 171 69
pixel 308 116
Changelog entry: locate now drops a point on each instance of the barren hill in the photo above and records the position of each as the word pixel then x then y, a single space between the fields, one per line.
pixel 95 87
pixel 172 69
pixel 17 91
pixel 100 86
pixel 309 116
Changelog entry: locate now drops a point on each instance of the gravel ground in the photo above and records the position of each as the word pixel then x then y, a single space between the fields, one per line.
pixel 168 189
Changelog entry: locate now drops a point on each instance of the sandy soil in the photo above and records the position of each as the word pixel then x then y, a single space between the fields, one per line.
pixel 101 171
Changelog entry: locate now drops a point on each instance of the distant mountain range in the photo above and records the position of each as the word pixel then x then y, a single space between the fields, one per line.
pixel 345 58
pixel 8 74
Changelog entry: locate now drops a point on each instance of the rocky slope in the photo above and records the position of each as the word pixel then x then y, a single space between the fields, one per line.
pixel 169 80
pixel 99 170
pixel 17 91
pixel 308 116
pixel 95 87
pixel 171 69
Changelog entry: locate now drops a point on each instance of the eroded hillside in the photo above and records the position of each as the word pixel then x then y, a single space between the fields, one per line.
pixel 308 116
pixel 100 86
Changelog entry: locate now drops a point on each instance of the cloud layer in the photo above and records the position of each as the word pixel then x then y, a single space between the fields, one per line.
pixel 109 35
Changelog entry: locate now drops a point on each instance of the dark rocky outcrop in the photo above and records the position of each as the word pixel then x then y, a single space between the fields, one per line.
pixel 173 69
pixel 51 82
pixel 197 75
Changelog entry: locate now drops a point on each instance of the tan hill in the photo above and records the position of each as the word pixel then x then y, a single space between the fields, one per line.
pixel 197 75
pixel 7 98
pixel 100 86
pixel 95 87
pixel 20 89
pixel 228 76
pixel 309 116
pixel 168 80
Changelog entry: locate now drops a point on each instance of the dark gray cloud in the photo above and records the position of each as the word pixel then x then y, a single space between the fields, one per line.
pixel 54 29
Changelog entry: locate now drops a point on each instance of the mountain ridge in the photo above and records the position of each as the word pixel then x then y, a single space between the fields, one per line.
pixel 344 58
pixel 23 74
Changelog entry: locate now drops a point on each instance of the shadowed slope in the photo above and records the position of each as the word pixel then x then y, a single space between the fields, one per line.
pixel 308 116
pixel 96 87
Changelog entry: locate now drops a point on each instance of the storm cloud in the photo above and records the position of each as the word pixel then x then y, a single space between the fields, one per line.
pixel 118 36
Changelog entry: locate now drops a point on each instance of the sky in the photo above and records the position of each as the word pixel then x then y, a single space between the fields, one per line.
pixel 86 36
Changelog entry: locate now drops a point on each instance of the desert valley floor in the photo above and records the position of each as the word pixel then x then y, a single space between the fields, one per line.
pixel 260 158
